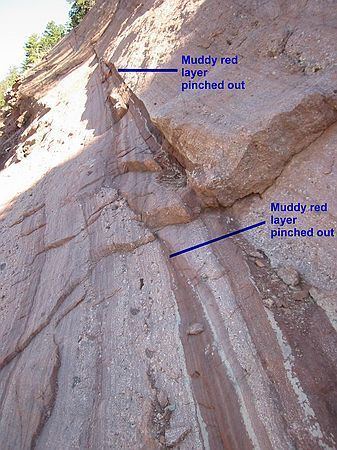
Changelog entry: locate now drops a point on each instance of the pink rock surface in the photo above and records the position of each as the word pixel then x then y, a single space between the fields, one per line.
pixel 104 177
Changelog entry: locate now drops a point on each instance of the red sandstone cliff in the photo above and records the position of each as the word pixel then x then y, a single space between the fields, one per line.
pixel 105 341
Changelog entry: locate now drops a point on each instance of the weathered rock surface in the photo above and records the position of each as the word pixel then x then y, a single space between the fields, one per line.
pixel 105 176
pixel 289 275
pixel 195 328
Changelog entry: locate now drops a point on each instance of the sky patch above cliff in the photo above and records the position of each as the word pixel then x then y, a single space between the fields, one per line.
pixel 20 19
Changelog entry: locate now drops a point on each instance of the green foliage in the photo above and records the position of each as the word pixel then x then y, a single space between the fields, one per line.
pixel 33 51
pixel 38 46
pixel 7 83
pixel 53 34
pixel 78 10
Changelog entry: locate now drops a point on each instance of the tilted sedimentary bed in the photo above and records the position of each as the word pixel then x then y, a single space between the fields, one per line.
pixel 106 342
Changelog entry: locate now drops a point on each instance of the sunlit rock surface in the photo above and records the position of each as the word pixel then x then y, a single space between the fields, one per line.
pixel 104 175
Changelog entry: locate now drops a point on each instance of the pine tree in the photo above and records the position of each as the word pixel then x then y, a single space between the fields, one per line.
pixel 78 10
pixel 33 51
pixel 7 83
pixel 52 35
pixel 38 46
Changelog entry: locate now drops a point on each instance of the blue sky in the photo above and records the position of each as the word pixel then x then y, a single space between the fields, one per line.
pixel 19 19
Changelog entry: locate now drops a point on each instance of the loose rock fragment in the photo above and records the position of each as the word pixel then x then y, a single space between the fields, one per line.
pixel 268 302
pixel 259 263
pixel 195 328
pixel 300 295
pixel 170 408
pixel 174 436
pixel 289 275
pixel 256 254
pixel 119 107
pixel 162 398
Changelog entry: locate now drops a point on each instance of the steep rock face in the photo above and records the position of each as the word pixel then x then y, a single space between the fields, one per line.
pixel 106 176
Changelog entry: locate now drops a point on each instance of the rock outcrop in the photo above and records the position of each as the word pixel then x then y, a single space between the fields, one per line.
pixel 106 342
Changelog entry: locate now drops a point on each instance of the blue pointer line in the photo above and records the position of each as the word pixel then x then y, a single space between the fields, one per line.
pixel 220 238
pixel 147 70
